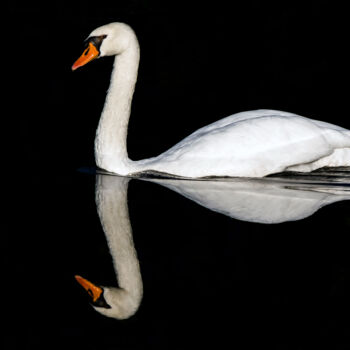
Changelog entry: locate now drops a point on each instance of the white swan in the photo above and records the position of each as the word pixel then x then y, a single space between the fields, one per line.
pixel 112 207
pixel 248 144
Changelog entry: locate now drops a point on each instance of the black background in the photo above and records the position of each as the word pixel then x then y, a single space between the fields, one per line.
pixel 199 62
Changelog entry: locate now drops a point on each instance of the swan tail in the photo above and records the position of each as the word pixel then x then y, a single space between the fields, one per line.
pixel 339 158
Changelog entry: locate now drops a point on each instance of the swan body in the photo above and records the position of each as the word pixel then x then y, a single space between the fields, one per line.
pixel 247 144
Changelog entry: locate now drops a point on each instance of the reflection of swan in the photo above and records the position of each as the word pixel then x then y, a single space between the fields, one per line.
pixel 111 201
pixel 259 200
pixel 249 144
pixel 255 200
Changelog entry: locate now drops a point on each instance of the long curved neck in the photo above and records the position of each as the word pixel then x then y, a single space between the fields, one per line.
pixel 111 202
pixel 110 142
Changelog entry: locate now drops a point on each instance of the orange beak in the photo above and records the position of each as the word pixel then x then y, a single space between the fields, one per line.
pixel 93 290
pixel 89 54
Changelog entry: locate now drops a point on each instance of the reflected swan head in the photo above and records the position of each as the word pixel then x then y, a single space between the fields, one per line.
pixel 109 301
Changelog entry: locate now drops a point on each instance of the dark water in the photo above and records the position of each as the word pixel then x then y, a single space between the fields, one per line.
pixel 222 262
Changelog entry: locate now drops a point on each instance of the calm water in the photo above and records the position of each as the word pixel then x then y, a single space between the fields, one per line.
pixel 221 262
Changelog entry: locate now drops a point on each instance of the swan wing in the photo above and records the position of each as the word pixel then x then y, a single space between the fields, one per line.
pixel 252 144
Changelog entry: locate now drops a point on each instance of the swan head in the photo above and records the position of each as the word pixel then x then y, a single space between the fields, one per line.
pixel 108 40
pixel 109 301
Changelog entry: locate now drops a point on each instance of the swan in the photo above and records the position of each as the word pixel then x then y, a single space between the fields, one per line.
pixel 246 144
pixel 111 202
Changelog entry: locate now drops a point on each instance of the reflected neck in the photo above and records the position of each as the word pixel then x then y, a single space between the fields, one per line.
pixel 111 135
pixel 111 201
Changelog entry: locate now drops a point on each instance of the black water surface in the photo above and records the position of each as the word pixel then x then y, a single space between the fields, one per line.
pixel 208 278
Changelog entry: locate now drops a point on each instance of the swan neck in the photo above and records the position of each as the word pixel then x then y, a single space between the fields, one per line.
pixel 111 135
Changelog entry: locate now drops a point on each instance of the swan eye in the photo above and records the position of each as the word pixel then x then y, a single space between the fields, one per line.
pixel 95 40
pixel 101 302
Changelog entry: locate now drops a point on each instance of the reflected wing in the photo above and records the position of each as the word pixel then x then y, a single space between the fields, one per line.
pixel 263 200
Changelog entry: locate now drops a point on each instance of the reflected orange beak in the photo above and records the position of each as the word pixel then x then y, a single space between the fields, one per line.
pixel 93 290
pixel 89 54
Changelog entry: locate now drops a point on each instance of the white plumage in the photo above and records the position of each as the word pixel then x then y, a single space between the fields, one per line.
pixel 255 144
pixel 247 144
